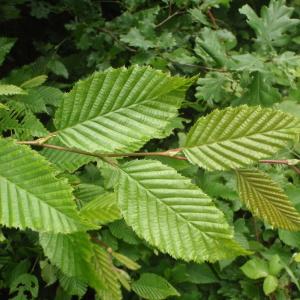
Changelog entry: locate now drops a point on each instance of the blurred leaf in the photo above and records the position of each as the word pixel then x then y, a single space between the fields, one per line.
pixel 272 26
pixel 270 284
pixel 255 268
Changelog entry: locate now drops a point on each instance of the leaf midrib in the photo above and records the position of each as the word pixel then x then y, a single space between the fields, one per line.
pixel 74 221
pixel 127 107
pixel 240 137
pixel 171 209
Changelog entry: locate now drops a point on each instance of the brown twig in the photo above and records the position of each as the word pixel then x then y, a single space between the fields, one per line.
pixel 274 161
pixel 169 18
pixel 169 153
pixel 212 18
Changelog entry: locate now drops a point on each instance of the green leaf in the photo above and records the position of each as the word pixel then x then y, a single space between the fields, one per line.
pixel 71 253
pixel 101 210
pixel 172 214
pixel 153 287
pixel 105 269
pixel 255 268
pixel 248 62
pixel 58 68
pixel 236 137
pixel 72 285
pixel 25 285
pixel 201 274
pixel 31 196
pixel 211 48
pixel 122 231
pixel 34 82
pixel 86 192
pixel 261 92
pixel 126 261
pixel 212 87
pixel 290 238
pixel 270 284
pixel 273 24
pixel 10 89
pixel 275 265
pixel 48 272
pixel 119 109
pixel 136 39
pixel 5 46
pixel 21 121
pixel 267 200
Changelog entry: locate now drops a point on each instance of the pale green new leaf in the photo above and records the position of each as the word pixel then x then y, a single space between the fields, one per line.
pixel 126 261
pixel 236 137
pixel 265 199
pixel 270 284
pixel 119 109
pixel 101 210
pixel 172 214
pixel 105 269
pixel 153 287
pixel 10 89
pixel 255 268
pixel 30 194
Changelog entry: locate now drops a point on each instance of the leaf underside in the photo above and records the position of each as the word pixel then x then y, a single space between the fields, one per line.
pixel 265 199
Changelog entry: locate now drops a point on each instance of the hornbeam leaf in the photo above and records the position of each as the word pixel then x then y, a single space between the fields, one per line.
pixel 236 137
pixel 119 109
pixel 171 213
pixel 153 287
pixel 10 89
pixel 265 199
pixel 105 269
pixel 31 196
pixel 71 253
pixel 101 210
pixel 72 285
